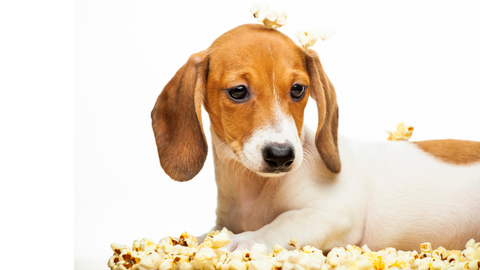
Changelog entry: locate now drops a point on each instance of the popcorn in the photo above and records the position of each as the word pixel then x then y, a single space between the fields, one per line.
pixel 403 133
pixel 186 266
pixel 312 251
pixel 151 261
pixel 166 264
pixel 474 265
pixel 187 240
pixel 277 249
pixel 470 243
pixel 238 265
pixel 128 259
pixel 223 262
pixel 365 249
pixel 308 38
pixel 440 253
pixel 186 254
pixel 221 239
pixel 452 260
pixel 262 263
pixel 205 259
pixel 471 254
pixel 118 248
pixel 237 255
pixel 294 243
pixel 272 19
pixel 258 251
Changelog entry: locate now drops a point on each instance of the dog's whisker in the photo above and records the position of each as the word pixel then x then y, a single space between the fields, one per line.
pixel 237 166
pixel 309 158
pixel 221 147
pixel 236 169
pixel 228 159
pixel 305 158
pixel 303 166
pixel 248 175
pixel 220 142
pixel 225 158
pixel 234 160
pixel 312 162
pixel 244 170
pixel 226 167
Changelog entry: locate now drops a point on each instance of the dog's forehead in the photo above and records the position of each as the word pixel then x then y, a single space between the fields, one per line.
pixel 256 53
pixel 252 42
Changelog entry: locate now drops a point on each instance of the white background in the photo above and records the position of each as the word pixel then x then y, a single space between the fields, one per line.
pixel 36 134
pixel 390 61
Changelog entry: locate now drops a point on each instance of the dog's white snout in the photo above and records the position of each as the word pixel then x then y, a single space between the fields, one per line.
pixel 274 150
pixel 278 137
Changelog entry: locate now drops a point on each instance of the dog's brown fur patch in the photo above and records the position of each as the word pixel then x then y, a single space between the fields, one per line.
pixel 458 152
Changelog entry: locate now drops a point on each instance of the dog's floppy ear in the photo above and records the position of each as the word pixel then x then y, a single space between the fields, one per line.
pixel 322 91
pixel 177 123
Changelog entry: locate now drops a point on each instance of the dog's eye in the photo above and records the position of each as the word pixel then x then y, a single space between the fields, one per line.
pixel 238 92
pixel 297 91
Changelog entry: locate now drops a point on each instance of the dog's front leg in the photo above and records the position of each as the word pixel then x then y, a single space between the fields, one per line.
pixel 310 226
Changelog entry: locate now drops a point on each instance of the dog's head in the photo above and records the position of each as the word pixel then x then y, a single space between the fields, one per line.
pixel 254 82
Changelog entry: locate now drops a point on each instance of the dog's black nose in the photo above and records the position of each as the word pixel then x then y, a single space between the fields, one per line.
pixel 278 155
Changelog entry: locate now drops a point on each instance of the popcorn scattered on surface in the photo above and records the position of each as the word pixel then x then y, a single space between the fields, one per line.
pixel 184 253
pixel 403 133
pixel 270 18
pixel 308 38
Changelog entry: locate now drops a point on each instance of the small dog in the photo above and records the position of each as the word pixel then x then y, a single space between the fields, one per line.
pixel 277 179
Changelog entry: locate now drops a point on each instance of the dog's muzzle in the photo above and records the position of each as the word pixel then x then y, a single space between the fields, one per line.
pixel 279 156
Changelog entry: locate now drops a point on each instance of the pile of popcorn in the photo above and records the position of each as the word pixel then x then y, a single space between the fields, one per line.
pixel 184 253
pixel 403 133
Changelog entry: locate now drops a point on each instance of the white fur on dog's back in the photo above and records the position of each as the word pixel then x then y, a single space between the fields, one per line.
pixel 414 197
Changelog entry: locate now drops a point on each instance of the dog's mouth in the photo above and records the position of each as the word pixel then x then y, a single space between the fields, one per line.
pixel 269 172
pixel 272 174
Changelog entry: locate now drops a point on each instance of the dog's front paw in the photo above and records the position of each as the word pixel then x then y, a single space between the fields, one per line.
pixel 243 241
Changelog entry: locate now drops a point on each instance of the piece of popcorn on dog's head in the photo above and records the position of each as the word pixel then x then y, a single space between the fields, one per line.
pixel 258 11
pixel 308 38
pixel 272 19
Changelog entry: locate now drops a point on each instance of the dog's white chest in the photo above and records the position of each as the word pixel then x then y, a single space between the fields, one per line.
pixel 251 203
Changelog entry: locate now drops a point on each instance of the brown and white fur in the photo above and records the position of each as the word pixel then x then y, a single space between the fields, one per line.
pixel 337 191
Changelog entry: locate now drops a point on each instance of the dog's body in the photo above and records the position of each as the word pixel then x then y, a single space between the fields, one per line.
pixel 388 194
pixel 277 179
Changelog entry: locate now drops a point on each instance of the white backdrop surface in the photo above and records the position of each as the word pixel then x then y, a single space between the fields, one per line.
pixel 390 61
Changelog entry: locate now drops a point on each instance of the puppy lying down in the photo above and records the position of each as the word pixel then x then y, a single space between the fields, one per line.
pixel 277 179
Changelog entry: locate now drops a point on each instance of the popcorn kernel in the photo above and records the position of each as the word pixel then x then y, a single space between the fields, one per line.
pixel 272 19
pixel 403 133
